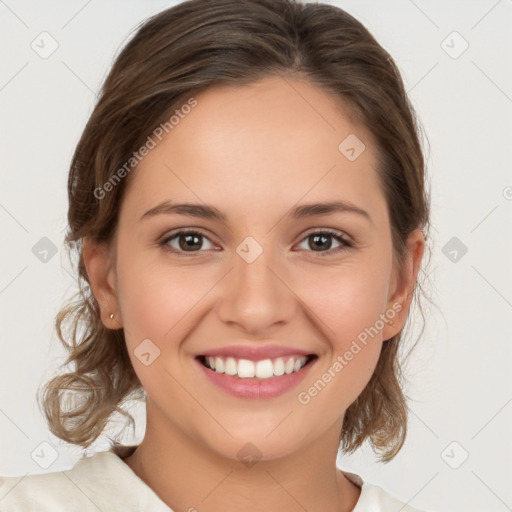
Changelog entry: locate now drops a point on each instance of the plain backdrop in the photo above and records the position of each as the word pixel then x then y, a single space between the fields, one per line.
pixel 455 57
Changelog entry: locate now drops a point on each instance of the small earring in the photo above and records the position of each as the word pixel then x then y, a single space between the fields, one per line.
pixel 111 316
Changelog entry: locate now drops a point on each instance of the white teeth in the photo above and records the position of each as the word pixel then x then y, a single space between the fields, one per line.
pixel 279 366
pixel 219 365
pixel 231 368
pixel 288 367
pixel 264 369
pixel 245 368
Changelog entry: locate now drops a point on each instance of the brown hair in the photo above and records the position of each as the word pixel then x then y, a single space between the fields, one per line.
pixel 178 53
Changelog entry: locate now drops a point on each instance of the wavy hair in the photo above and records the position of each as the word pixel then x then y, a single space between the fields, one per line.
pixel 173 55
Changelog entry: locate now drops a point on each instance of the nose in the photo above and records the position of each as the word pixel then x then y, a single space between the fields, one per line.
pixel 257 296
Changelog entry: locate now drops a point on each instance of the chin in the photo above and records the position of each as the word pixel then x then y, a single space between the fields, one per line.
pixel 249 451
pixel 253 443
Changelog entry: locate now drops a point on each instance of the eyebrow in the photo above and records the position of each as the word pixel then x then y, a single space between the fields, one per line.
pixel 210 212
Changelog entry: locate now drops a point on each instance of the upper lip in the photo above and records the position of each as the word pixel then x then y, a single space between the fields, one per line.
pixel 255 353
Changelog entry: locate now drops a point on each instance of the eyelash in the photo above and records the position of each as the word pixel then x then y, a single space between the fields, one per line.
pixel 346 243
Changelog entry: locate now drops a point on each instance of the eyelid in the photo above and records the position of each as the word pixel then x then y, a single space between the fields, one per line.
pixel 331 231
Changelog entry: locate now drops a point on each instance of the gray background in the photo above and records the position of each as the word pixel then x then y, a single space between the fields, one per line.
pixel 458 454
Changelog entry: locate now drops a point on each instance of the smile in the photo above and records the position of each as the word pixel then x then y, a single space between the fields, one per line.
pixel 263 369
pixel 259 379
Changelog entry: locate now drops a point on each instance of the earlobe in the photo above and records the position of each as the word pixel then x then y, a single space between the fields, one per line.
pixel 402 293
pixel 99 265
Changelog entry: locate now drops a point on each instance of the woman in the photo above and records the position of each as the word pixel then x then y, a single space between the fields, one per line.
pixel 248 205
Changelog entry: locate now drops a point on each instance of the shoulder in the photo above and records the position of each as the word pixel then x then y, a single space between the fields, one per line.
pixel 379 500
pixel 44 492
pixel 376 499
pixel 100 482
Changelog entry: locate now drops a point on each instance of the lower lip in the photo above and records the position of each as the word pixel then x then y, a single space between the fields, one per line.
pixel 256 388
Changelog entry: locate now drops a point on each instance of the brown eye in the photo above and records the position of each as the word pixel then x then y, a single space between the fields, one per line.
pixel 185 241
pixel 321 242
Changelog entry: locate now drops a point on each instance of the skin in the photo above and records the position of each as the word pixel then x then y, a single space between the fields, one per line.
pixel 254 152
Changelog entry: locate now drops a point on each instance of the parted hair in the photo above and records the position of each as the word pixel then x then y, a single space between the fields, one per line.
pixel 172 56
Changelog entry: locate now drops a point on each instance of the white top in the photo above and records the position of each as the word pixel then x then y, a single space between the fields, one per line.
pixel 104 482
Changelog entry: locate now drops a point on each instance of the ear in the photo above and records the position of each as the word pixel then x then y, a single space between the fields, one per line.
pixel 99 261
pixel 402 286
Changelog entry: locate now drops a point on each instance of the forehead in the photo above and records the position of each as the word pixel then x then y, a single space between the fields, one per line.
pixel 266 144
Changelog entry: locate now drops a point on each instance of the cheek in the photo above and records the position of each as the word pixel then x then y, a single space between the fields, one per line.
pixel 159 302
pixel 348 305
pixel 347 300
pixel 155 299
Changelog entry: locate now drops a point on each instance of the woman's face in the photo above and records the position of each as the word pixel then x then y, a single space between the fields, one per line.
pixel 259 281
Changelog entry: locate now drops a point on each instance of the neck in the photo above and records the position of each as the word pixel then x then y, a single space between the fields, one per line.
pixel 188 476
